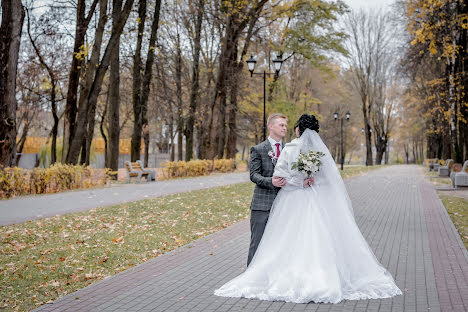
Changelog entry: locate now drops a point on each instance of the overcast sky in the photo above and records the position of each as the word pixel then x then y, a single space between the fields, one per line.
pixel 357 4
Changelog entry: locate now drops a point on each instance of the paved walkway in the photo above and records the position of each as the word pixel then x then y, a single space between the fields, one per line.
pixel 39 206
pixel 397 211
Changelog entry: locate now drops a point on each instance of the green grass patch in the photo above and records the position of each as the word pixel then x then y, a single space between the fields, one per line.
pixel 457 208
pixel 48 258
pixel 435 179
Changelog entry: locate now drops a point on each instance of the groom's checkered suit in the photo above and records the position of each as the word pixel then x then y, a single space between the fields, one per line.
pixel 261 171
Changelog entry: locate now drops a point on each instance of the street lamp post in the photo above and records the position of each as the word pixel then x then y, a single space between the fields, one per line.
pixel 335 115
pixel 278 62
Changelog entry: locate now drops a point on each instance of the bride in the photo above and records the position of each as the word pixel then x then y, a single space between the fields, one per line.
pixel 312 248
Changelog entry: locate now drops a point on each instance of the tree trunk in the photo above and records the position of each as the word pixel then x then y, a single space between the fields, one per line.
pixel 232 129
pixel 10 38
pixel 82 22
pixel 137 72
pixel 236 71
pixel 112 159
pixel 180 120
pixel 406 149
pixel 82 159
pixel 20 145
pixel 369 161
pixel 380 153
pixel 90 71
pixel 189 128
pixel 141 84
pixel 172 136
pixel 103 134
pixel 380 146
pixel 148 76
pixel 217 127
pixel 53 149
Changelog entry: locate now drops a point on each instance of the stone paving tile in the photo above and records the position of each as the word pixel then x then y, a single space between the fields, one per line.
pixel 449 255
pixel 398 213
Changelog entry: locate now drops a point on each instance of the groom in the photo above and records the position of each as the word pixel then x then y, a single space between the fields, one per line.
pixel 262 164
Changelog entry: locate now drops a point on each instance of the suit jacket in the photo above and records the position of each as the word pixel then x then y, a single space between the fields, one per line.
pixel 261 171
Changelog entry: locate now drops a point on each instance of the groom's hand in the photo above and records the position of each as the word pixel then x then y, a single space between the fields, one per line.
pixel 278 181
pixel 308 182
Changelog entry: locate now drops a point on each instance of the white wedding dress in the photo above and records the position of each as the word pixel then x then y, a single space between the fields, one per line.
pixel 312 249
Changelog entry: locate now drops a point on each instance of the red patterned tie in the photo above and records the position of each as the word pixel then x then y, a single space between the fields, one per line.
pixel 277 149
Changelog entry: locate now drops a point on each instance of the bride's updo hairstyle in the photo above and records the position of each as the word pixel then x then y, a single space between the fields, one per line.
pixel 307 122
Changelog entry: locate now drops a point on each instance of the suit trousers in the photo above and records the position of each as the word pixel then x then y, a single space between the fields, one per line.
pixel 258 221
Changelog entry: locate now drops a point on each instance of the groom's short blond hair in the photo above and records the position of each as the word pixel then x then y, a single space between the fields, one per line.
pixel 275 116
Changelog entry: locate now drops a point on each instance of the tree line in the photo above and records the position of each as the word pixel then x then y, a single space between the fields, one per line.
pixel 173 69
pixel 172 76
pixel 434 67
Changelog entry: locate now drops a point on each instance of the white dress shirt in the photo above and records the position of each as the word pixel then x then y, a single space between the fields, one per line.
pixel 273 144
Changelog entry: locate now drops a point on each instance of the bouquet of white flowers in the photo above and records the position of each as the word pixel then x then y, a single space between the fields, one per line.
pixel 308 163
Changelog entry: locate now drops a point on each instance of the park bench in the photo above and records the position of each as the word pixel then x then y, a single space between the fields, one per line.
pixel 444 171
pixel 434 164
pixel 151 172
pixel 460 178
pixel 134 170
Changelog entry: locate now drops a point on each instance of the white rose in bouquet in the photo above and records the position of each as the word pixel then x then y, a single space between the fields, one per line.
pixel 308 162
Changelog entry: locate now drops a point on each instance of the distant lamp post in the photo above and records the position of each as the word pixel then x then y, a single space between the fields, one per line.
pixel 347 116
pixel 278 63
pixel 251 62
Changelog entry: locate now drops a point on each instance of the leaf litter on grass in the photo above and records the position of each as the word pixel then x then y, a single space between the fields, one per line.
pixel 44 259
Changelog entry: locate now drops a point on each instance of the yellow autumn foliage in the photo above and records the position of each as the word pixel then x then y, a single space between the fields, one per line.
pixel 34 144
pixel 59 177
pixel 198 167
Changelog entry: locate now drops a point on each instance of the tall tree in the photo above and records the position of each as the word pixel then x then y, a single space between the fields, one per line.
pixel 53 91
pixel 10 38
pixel 112 159
pixel 91 95
pixel 438 33
pixel 178 80
pixel 194 96
pixel 82 23
pixel 142 82
pixel 237 16
pixel 369 37
pixel 235 74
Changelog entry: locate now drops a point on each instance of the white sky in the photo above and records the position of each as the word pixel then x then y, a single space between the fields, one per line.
pixel 357 4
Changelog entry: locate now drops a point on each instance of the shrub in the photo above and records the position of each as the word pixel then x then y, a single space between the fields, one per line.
pixel 59 177
pixel 224 165
pixel 198 167
pixel 187 169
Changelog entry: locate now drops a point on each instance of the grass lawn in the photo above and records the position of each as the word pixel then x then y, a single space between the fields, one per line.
pixel 44 259
pixel 457 208
pixel 435 179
